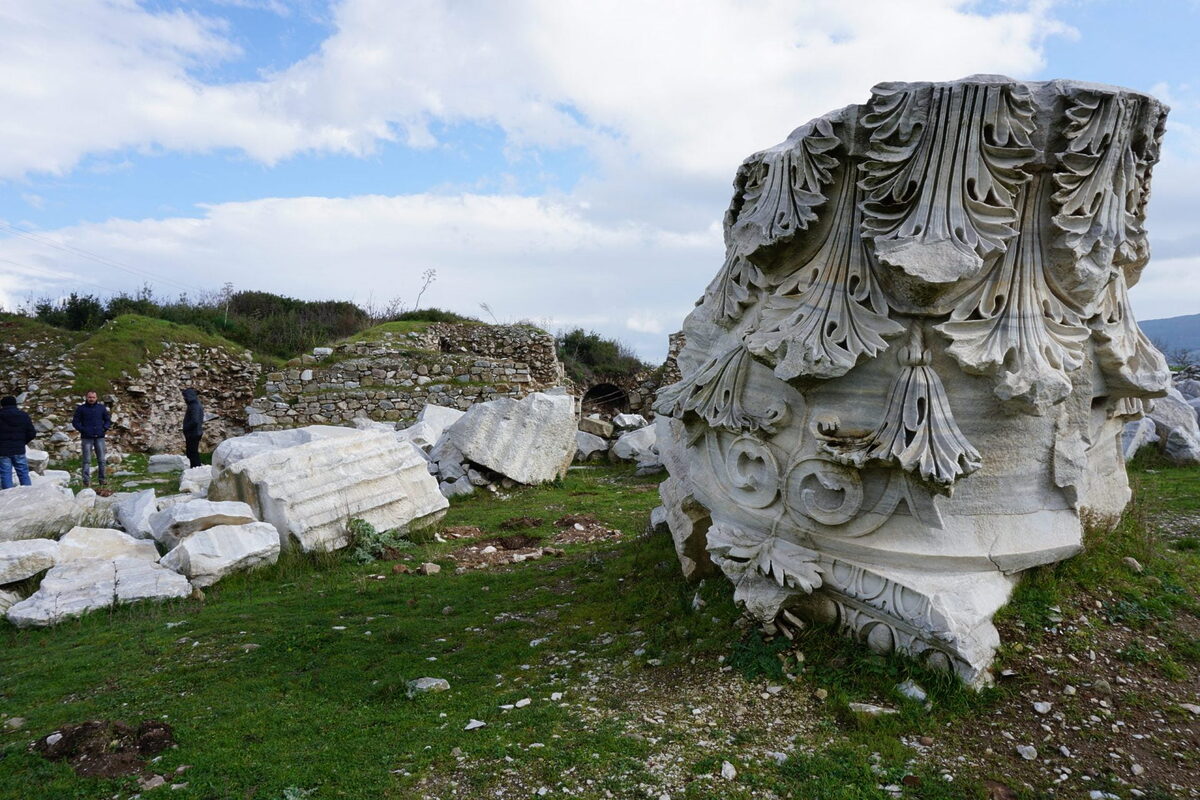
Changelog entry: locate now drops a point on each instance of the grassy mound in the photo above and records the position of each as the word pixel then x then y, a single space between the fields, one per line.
pixel 127 341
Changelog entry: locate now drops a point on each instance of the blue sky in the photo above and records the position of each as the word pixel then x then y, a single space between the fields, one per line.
pixel 564 162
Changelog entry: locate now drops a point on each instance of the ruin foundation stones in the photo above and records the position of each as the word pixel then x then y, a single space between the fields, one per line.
pixel 905 385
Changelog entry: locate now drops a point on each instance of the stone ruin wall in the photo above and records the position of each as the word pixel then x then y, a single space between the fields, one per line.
pixel 393 378
pixel 147 408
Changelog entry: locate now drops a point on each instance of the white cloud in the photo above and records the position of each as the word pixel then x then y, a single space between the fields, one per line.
pixel 685 87
pixel 522 256
pixel 644 323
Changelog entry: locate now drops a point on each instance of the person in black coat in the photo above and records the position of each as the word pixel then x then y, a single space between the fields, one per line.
pixel 193 426
pixel 16 431
pixel 92 420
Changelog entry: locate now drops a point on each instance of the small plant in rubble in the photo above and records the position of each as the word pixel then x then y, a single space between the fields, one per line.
pixel 367 544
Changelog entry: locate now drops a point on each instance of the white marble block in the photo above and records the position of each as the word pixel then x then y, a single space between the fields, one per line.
pixel 176 522
pixel 211 554
pixel 310 482
pixel 41 511
pixel 907 382
pixel 75 587
pixel 25 557
pixel 531 440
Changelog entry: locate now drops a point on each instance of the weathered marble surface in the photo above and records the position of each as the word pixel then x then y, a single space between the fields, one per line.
pixel 310 482
pixel 531 440
pixel 73 588
pixel 41 511
pixel 25 557
pixel 209 555
pixel 176 522
pixel 907 381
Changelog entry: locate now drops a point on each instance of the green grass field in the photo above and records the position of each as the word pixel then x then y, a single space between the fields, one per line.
pixel 290 682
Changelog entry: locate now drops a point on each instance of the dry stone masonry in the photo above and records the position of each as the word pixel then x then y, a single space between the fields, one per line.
pixel 147 407
pixel 905 385
pixel 395 376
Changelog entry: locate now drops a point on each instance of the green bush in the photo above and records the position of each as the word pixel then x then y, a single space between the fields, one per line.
pixel 430 315
pixel 587 356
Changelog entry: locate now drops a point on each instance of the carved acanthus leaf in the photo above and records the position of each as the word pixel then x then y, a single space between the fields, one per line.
pixel 776 195
pixel 717 393
pixel 1012 326
pixel 742 554
pixel 1101 183
pixel 918 432
pixel 831 311
pixel 943 166
pixel 1132 365
pixel 783 187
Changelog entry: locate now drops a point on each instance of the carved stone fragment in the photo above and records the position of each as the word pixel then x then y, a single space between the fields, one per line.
pixel 907 381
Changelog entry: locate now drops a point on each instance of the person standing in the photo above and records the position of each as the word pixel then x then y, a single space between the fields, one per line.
pixel 193 426
pixel 92 420
pixel 16 431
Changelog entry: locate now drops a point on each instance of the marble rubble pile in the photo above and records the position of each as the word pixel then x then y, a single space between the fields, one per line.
pixel 1172 424
pixel 907 382
pixel 497 444
pixel 628 437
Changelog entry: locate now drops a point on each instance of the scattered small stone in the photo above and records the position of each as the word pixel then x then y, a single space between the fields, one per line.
pixel 427 685
pixel 1103 687
pixel 54 738
pixel 556 696
pixel 820 694
pixel 777 757
pixel 146 783
pixel 727 771
pixel 1064 751
pixel 1133 564
pixel 1042 707
pixel 1069 690
pixel 524 701
pixel 428 569
pixel 1027 752
pixel 912 691
pixel 14 723
pixel 1190 707
pixel 1137 770
pixel 474 724
pixel 871 710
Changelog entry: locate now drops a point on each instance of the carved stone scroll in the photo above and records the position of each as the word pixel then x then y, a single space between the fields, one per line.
pixel 904 385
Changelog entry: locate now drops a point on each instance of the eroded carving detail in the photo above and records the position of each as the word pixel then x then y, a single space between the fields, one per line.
pixel 917 432
pixel 776 196
pixel 717 393
pixel 1011 325
pixel 944 164
pixel 830 311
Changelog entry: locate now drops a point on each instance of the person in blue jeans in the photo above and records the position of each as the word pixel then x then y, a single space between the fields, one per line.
pixel 16 431
pixel 92 420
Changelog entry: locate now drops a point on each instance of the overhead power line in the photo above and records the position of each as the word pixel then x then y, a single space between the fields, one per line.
pixel 79 251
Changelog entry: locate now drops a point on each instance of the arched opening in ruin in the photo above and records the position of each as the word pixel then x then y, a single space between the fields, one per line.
pixel 605 398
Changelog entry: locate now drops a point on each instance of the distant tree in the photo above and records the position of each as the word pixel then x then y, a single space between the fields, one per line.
pixel 586 356
pixel 76 312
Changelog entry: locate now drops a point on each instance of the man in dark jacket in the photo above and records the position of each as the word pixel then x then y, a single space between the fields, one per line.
pixel 16 431
pixel 193 426
pixel 92 420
